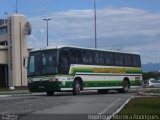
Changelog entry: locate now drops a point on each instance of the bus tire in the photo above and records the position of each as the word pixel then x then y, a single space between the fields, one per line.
pixel 125 86
pixel 151 86
pixel 76 87
pixel 50 93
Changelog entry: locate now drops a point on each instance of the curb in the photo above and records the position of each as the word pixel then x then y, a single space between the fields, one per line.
pixel 148 94
pixel 19 94
pixel 1 96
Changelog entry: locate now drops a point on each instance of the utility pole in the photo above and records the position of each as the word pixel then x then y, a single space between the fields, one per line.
pixel 5 18
pixel 16 6
pixel 95 24
pixel 47 28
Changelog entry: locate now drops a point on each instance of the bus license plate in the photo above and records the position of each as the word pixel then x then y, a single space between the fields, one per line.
pixel 41 87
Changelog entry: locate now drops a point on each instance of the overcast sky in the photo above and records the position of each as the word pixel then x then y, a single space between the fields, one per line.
pixel 128 25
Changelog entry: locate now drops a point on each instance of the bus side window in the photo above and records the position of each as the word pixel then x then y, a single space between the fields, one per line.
pixel 78 56
pixel 109 59
pixel 75 56
pixel 128 60
pixel 136 61
pixel 118 59
pixel 87 57
pixel 64 61
pixel 99 58
pixel 72 58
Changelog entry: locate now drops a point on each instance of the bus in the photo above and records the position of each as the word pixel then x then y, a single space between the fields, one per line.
pixel 68 68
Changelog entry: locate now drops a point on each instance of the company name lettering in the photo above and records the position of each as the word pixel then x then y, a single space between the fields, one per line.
pixel 109 70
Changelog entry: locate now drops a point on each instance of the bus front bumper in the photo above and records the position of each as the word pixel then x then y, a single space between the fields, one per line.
pixel 44 86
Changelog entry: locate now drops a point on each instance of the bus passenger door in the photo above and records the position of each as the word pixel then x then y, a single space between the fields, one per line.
pixel 64 61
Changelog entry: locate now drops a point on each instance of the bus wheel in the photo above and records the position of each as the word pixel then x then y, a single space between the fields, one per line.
pixel 76 87
pixel 125 86
pixel 50 93
pixel 151 86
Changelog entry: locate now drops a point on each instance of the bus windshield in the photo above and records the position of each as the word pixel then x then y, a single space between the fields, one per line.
pixel 42 63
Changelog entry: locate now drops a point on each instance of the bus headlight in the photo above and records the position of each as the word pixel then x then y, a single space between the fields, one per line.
pixel 55 79
pixel 30 81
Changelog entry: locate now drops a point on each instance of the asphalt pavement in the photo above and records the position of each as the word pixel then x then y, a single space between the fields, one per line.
pixel 62 105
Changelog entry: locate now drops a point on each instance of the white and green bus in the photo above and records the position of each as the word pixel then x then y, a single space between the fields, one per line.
pixel 75 69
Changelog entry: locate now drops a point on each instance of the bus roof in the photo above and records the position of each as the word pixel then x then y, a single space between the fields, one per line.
pixel 65 46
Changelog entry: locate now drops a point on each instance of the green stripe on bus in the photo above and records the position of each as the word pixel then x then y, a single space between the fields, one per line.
pixel 101 83
pixel 134 70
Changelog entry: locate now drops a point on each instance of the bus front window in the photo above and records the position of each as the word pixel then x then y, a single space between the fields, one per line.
pixel 34 65
pixel 42 63
pixel 49 62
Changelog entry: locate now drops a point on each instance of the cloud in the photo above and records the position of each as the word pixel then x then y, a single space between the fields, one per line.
pixel 130 29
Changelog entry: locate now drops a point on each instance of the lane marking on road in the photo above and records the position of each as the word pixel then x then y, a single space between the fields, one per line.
pixel 118 110
pixel 108 107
